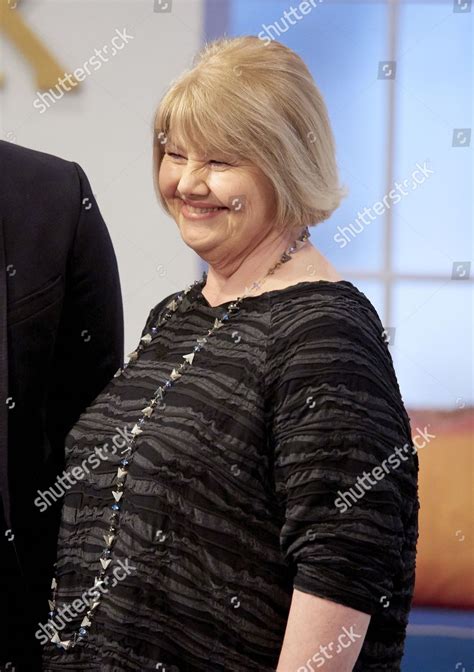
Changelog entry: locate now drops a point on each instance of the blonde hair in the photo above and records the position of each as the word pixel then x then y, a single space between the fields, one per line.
pixel 244 97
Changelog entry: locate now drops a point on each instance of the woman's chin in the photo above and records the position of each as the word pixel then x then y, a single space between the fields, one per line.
pixel 198 235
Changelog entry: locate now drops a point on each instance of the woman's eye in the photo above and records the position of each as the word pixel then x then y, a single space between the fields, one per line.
pixel 174 155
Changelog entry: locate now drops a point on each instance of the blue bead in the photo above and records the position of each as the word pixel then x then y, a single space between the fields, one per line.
pixel 124 462
pixel 154 330
pixel 168 383
pixel 82 632
pixel 116 506
pixel 225 317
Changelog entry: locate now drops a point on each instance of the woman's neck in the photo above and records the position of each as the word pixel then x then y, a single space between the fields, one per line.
pixel 307 263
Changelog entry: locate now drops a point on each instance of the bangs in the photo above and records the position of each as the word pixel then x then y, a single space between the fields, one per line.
pixel 194 116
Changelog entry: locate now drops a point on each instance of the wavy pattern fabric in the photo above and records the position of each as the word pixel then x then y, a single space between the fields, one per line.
pixel 232 497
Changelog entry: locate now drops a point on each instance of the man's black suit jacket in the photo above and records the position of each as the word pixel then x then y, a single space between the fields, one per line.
pixel 61 341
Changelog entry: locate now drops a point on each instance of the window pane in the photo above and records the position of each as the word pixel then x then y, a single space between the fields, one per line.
pixel 432 350
pixel 433 223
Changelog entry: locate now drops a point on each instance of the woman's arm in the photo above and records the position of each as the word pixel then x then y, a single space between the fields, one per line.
pixel 321 632
pixel 336 416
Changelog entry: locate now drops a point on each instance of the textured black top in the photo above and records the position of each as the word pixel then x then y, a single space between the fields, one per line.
pixel 244 487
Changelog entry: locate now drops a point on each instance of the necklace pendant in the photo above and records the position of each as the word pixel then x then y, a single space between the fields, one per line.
pixel 175 375
pixel 105 564
pixel 172 305
pixel 146 338
pixel 59 642
pixel 217 323
pixel 117 495
pixel 189 358
pixel 121 472
pixel 51 605
pixel 85 622
pixel 109 538
pixel 133 356
pixel 147 411
pixel 136 430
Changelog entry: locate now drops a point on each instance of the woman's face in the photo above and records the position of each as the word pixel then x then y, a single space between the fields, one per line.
pixel 238 187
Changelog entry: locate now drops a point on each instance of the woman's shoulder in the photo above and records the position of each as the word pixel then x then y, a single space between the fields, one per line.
pixel 331 328
pixel 310 310
pixel 330 336
pixel 157 312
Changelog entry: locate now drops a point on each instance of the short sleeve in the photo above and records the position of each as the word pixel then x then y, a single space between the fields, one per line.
pixel 337 419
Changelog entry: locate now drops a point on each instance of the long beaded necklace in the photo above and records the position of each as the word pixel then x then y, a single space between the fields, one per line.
pixel 124 465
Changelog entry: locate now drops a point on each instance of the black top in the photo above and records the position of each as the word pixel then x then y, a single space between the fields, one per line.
pixel 245 486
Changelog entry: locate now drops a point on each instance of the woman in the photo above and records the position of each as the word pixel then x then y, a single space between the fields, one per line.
pixel 231 532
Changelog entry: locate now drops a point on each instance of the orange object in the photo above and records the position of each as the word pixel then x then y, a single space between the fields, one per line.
pixel 445 558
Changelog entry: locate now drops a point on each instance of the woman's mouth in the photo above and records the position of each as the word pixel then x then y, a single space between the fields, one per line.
pixel 193 212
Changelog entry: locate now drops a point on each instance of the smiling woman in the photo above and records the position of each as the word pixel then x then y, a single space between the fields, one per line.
pixel 280 127
pixel 224 501
pixel 254 176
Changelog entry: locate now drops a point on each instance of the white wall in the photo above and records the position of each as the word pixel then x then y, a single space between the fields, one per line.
pixel 106 126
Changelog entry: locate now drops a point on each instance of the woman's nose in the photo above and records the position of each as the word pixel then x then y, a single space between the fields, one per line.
pixel 192 180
